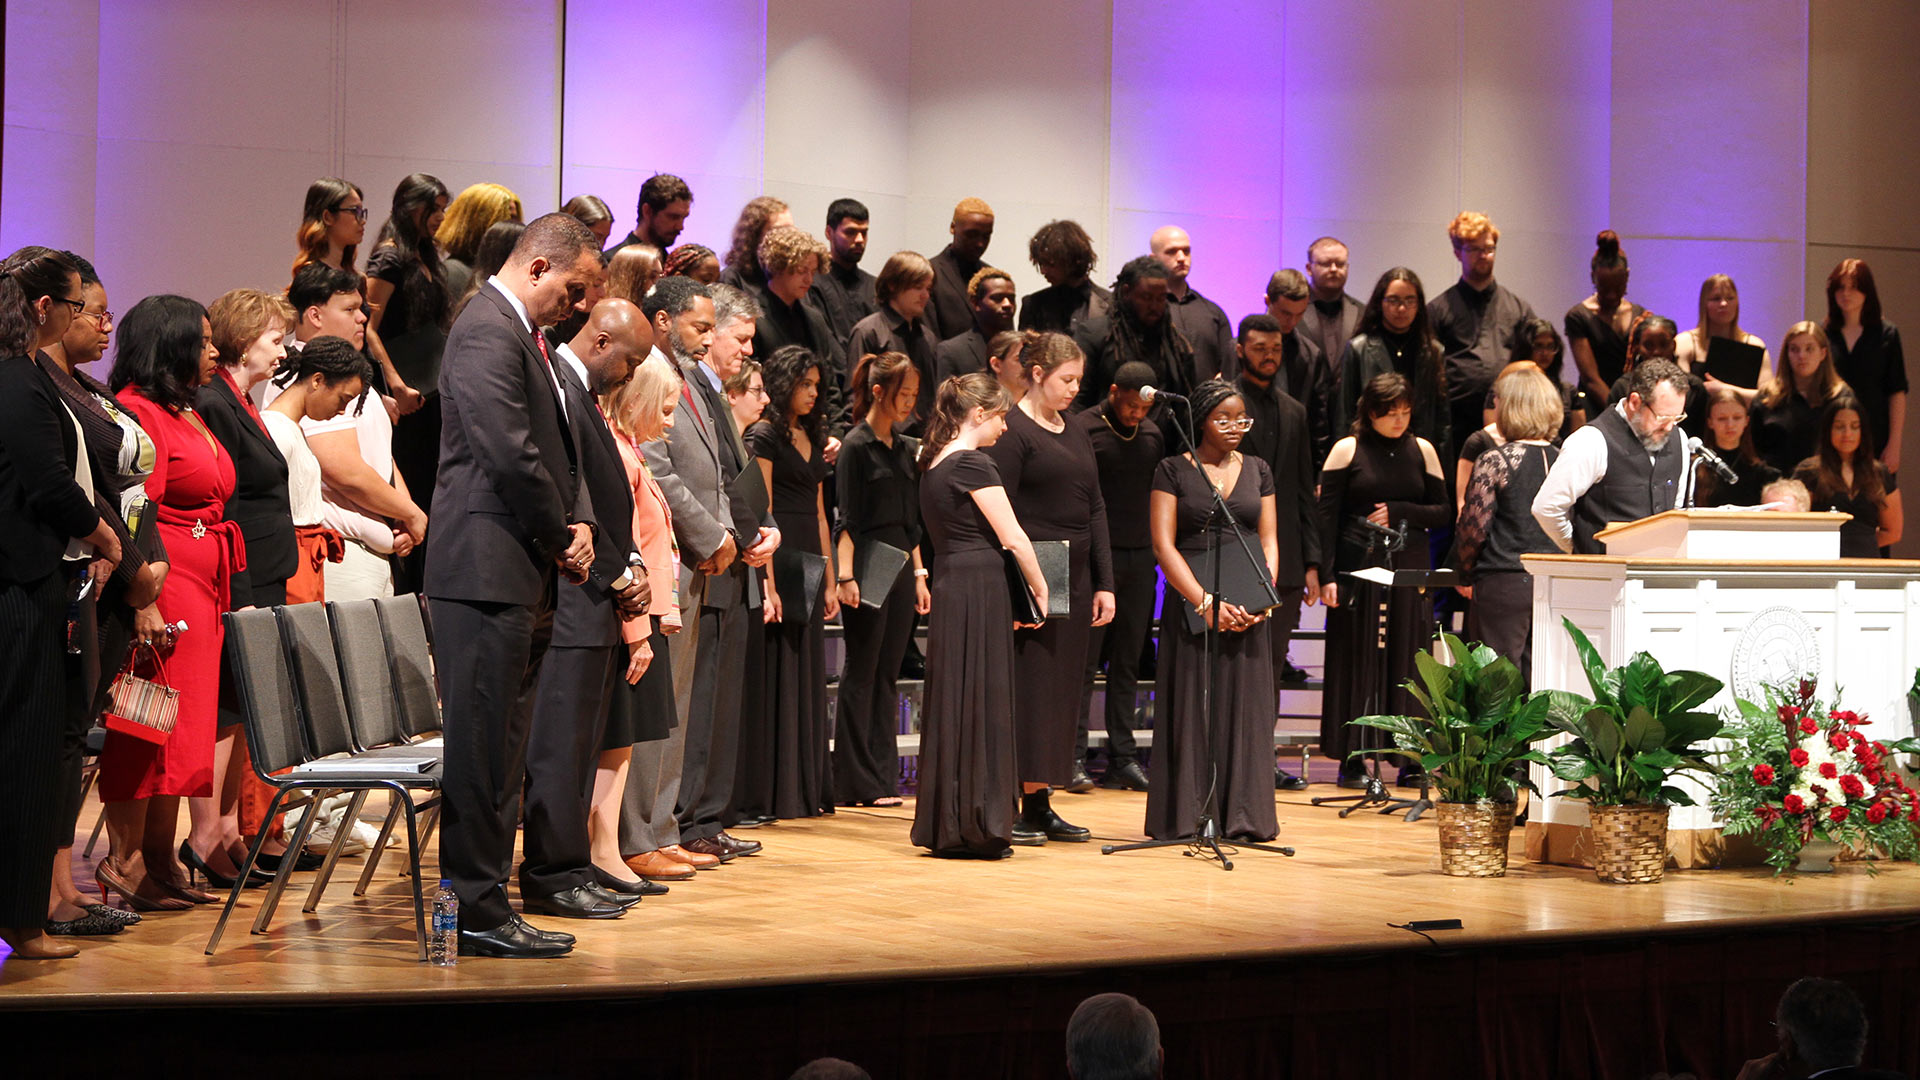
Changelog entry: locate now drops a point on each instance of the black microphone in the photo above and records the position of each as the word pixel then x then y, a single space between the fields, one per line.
pixel 1720 468
pixel 1154 393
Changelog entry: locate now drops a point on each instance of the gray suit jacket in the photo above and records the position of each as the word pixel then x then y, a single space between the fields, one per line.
pixel 687 465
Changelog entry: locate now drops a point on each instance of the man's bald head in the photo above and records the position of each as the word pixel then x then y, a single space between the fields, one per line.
pixel 614 340
pixel 1174 248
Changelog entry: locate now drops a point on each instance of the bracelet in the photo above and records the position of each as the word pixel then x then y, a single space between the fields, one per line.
pixel 1206 601
pixel 920 573
pixel 844 580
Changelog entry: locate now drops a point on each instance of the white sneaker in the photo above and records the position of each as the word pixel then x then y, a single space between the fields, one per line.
pixel 367 833
pixel 321 838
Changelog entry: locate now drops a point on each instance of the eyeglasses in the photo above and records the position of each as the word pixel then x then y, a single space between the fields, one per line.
pixel 359 212
pixel 101 319
pixel 1221 423
pixel 1399 301
pixel 79 306
pixel 1479 249
pixel 1673 419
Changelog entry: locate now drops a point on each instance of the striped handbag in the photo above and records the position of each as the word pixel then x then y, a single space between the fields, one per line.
pixel 140 707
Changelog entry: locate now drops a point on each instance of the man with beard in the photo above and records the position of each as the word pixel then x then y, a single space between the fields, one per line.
pixel 992 297
pixel 845 292
pixel 1137 328
pixel 1475 321
pixel 665 202
pixel 1198 319
pixel 1624 466
pixel 972 230
pixel 1305 373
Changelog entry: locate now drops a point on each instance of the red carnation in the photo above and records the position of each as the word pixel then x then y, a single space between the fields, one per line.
pixel 1839 741
pixel 1877 812
pixel 1794 804
pixel 1837 814
pixel 1798 757
pixel 1808 725
pixel 1849 717
pixel 1763 775
pixel 1852 786
pixel 1829 770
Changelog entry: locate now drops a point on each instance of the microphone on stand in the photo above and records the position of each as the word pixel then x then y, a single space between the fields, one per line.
pixel 1720 468
pixel 1154 393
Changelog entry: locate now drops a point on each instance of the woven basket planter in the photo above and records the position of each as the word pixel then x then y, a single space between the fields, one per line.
pixel 1629 843
pixel 1473 838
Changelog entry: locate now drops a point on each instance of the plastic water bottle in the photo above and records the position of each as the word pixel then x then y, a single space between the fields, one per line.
pixel 443 944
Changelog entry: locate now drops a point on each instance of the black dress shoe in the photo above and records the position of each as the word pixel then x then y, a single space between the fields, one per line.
pixel 1290 675
pixel 1028 836
pixel 305 861
pixel 1125 776
pixel 560 937
pixel 579 902
pixel 610 896
pixel 512 939
pixel 1037 814
pixel 638 887
pixel 1286 781
pixel 1080 783
pixel 754 821
pixel 1354 781
pixel 737 846
pixel 913 665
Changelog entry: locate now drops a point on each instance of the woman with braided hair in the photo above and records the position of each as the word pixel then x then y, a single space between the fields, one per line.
pixel 696 261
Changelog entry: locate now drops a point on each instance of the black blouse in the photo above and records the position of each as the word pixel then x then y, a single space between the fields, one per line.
pixel 1053 481
pixel 878 489
pixel 1876 368
pixel 1608 344
pixel 1858 538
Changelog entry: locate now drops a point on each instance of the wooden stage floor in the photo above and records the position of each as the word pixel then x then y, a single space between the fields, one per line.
pixel 846 899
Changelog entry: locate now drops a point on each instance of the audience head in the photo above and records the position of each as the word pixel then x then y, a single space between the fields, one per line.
pixel 1062 252
pixel 1398 306
pixel 250 332
pixel 1386 406
pixel 889 380
pixel 735 316
pixel 1728 423
pixel 1474 238
pixel 1608 270
pixel 1851 292
pixel 746 391
pixel 479 208
pixel 972 228
pixel 1537 341
pixel 1786 495
pixel 696 261
pixel 1054 366
pixel 905 284
pixel 331 371
pixel 830 1069
pixel 791 257
pixel 792 376
pixel 594 213
pixel 1656 400
pixel 1174 248
pixel 1113 1036
pixel 166 351
pixel 1142 288
pixel 1822 1025
pixel 1003 359
pixel 665 202
pixel 1288 294
pixel 85 340
pixel 633 270
pixel 642 407
pixel 1652 337
pixel 1327 268
pixel 1527 404
pixel 1124 402
pixel 39 294
pixel 419 209
pixel 1719 307
pixel 1261 346
pixel 990 291
pixel 334 217
pixel 761 213
pixel 847 226
pixel 681 311
pixel 974 402
pixel 327 301
pixel 611 343
pixel 554 268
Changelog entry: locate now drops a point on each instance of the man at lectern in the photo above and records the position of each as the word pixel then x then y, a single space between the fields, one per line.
pixel 1624 466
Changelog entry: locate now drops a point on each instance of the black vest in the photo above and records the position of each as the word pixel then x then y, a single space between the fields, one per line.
pixel 1633 487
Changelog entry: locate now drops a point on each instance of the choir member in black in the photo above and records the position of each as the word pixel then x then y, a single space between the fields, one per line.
pixel 1538 343
pixel 1730 435
pixel 902 324
pixel 790 259
pixel 1844 475
pixel 1655 337
pixel 1786 412
pixel 594 213
pixel 1867 354
pixel 790 445
pixel 1306 373
pixel 762 214
pixel 1207 329
pixel 1396 337
pixel 1050 473
pixel 1063 253
pixel 665 201
pixel 992 296
pixel 1238 737
pixel 1385 474
pixel 1003 361
pixel 1126 448
pixel 844 292
pixel 967 773
pixel 1597 326
pixel 1333 317
pixel 972 230
pixel 1719 318
pixel 879 498
pixel 696 261
pixel 1137 327
pixel 1474 320
pixel 1280 436
pixel 1496 523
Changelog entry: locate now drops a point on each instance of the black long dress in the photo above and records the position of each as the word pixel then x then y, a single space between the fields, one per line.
pixel 879 503
pixel 967 777
pixel 1242 681
pixel 1362 678
pixel 1053 481
pixel 796 651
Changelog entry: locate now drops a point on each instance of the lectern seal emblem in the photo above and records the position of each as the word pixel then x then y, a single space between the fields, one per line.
pixel 1777 646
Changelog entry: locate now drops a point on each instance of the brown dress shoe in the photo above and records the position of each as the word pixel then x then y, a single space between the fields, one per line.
pixel 709 845
pixel 659 866
pixel 737 846
pixel 694 859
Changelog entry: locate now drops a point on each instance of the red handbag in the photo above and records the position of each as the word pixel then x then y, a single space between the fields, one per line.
pixel 143 708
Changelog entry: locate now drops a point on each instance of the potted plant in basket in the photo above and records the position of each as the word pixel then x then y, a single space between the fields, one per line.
pixel 1636 734
pixel 1806 783
pixel 1478 729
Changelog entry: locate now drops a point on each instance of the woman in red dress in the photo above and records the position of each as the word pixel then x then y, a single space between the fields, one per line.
pixel 166 354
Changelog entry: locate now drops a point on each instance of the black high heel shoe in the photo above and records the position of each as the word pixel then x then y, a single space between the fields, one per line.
pixel 270 864
pixel 196 866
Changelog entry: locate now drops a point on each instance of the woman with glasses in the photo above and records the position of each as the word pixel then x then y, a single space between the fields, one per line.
pixel 1378 480
pixel 1241 680
pixel 1396 336
pixel 1053 479
pixel 332 224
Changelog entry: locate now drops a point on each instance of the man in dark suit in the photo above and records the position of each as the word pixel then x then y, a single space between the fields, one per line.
pixel 1305 372
pixel 583 663
pixel 1822 1027
pixel 1333 317
pixel 972 230
pixel 509 463
pixel 1280 437
pixel 991 295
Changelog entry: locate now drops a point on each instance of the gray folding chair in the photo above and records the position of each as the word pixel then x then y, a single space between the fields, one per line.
pixel 373 705
pixel 410 651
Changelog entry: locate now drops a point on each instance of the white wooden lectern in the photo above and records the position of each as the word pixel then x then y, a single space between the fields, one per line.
pixel 1742 595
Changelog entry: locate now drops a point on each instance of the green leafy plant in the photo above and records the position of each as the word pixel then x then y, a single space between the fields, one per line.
pixel 1636 734
pixel 1479 724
